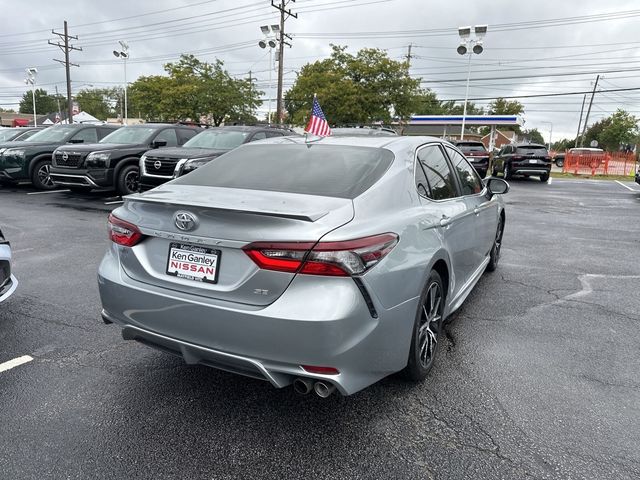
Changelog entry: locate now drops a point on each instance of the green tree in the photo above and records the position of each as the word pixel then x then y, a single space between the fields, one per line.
pixel 99 102
pixel 194 89
pixel 500 106
pixel 45 103
pixel 534 136
pixel 621 129
pixel 356 89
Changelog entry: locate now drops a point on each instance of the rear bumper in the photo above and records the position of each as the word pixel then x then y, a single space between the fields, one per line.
pixel 530 169
pixel 317 321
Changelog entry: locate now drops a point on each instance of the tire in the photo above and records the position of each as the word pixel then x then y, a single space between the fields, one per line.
pixel 560 162
pixel 494 255
pixel 426 330
pixel 40 175
pixel 128 180
pixel 506 172
pixel 544 177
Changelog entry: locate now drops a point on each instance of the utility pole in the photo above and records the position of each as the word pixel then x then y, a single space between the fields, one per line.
pixel 586 119
pixel 284 15
pixel 584 100
pixel 409 56
pixel 66 48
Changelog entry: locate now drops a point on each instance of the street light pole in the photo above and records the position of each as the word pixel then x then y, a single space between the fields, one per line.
pixel 468 46
pixel 124 54
pixel 270 34
pixel 31 79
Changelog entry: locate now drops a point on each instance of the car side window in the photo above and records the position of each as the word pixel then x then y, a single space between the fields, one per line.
pixel 185 134
pixel 87 135
pixel 274 133
pixel 469 180
pixel 259 136
pixel 169 136
pixel 437 172
pixel 422 184
pixel 103 132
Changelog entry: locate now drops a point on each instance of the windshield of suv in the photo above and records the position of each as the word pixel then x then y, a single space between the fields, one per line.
pixel 54 134
pixel 532 150
pixel 222 139
pixel 127 135
pixel 7 133
pixel 471 147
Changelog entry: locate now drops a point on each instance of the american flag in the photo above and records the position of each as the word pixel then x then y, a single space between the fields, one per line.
pixel 318 124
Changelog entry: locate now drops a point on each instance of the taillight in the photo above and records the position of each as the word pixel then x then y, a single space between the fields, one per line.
pixel 517 157
pixel 336 259
pixel 321 370
pixel 123 233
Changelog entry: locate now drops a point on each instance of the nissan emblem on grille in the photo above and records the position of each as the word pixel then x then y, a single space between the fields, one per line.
pixel 186 221
pixel 157 164
pixel 65 156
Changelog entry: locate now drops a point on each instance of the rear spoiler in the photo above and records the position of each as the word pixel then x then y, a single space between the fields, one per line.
pixel 305 217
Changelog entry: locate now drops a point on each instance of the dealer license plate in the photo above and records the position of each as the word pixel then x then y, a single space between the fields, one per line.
pixel 193 262
pixel 533 161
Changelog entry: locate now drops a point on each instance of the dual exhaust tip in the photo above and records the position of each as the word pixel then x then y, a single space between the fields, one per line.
pixel 304 386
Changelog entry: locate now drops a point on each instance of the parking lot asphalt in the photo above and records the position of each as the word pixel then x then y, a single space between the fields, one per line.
pixel 537 376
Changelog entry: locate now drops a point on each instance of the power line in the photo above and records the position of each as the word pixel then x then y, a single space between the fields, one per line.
pixel 543 94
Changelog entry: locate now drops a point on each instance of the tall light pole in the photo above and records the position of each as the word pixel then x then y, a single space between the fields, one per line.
pixel 269 40
pixel 550 132
pixel 124 55
pixel 468 46
pixel 31 80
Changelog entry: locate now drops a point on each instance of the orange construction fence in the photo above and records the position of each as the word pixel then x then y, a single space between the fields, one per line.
pixel 600 163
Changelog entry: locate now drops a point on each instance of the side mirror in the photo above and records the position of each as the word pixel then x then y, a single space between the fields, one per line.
pixel 158 143
pixel 76 140
pixel 496 186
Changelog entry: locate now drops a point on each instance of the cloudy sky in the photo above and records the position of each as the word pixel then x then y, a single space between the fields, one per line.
pixel 532 48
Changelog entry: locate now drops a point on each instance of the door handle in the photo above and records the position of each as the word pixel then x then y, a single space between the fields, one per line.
pixel 476 211
pixel 445 221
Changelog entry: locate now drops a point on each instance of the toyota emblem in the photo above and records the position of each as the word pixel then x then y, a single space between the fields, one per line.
pixel 65 156
pixel 157 164
pixel 185 221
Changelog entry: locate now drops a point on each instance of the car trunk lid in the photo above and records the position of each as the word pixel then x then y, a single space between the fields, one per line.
pixel 227 220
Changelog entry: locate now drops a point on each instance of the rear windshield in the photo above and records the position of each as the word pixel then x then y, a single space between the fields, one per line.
pixel 532 150
pixel 471 147
pixel 325 170
pixel 222 139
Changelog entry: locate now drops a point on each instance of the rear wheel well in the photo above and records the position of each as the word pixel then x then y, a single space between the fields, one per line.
pixel 441 267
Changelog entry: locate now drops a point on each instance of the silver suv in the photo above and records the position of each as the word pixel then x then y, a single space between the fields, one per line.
pixel 8 282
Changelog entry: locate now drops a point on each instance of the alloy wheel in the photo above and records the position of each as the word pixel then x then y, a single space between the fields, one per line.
pixel 44 175
pixel 131 181
pixel 430 320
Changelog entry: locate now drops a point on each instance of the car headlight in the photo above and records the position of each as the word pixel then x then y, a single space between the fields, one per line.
pixel 14 152
pixel 191 165
pixel 98 160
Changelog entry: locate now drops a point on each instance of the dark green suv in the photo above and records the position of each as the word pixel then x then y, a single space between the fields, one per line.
pixel 30 160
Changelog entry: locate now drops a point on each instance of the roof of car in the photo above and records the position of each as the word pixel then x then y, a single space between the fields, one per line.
pixel 390 141
pixel 475 142
pixel 529 145
pixel 252 128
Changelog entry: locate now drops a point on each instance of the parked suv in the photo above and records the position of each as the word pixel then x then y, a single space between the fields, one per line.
pixel 113 162
pixel 523 159
pixel 160 166
pixel 30 159
pixel 477 155
pixel 17 133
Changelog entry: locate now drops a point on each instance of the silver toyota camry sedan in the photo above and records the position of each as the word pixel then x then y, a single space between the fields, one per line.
pixel 323 263
pixel 8 282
